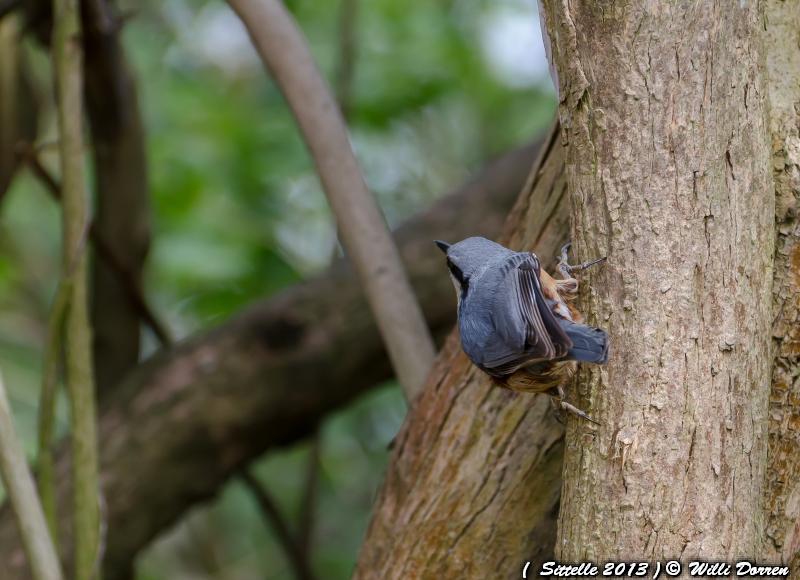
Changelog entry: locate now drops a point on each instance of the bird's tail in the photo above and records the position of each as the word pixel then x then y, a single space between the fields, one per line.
pixel 588 344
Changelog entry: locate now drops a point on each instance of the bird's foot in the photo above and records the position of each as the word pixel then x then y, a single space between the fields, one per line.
pixel 575 411
pixel 566 269
pixel 557 398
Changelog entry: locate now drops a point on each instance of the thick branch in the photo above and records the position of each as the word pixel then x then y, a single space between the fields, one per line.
pixel 362 227
pixel 262 380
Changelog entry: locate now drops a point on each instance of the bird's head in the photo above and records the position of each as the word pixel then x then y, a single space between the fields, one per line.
pixel 468 258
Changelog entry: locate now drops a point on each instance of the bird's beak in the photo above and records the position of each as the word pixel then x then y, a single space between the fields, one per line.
pixel 443 246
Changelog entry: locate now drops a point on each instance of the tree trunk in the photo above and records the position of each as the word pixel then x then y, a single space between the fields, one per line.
pixel 668 162
pixel 781 25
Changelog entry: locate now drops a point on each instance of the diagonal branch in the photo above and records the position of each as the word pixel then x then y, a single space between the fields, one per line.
pixel 262 380
pixel 18 483
pixel 273 515
pixel 361 225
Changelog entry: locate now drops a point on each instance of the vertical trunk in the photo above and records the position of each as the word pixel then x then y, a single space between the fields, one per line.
pixel 782 496
pixel 663 113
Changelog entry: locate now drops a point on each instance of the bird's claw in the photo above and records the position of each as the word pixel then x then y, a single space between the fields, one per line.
pixel 575 411
pixel 557 398
pixel 566 269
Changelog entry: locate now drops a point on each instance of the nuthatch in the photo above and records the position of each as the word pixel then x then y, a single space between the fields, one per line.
pixel 515 321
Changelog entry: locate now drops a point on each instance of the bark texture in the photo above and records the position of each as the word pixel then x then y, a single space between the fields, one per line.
pixel 263 380
pixel 473 484
pixel 782 29
pixel 663 110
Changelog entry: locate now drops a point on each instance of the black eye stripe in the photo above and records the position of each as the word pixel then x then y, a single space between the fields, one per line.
pixel 456 271
pixel 458 275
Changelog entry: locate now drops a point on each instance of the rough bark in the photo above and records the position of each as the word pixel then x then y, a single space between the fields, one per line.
pixel 782 499
pixel 123 204
pixel 663 110
pixel 262 380
pixel 473 483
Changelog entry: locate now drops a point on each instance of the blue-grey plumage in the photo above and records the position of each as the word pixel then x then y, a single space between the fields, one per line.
pixel 514 320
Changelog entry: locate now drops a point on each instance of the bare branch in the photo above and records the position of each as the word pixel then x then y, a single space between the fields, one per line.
pixel 308 506
pixel 67 59
pixel 21 490
pixel 273 515
pixel 361 225
pixel 45 467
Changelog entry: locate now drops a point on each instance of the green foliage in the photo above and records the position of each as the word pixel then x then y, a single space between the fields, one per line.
pixel 239 214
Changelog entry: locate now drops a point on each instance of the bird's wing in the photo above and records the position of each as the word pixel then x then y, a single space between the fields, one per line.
pixel 524 321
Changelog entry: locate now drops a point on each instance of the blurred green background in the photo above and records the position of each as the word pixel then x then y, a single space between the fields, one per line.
pixel 432 89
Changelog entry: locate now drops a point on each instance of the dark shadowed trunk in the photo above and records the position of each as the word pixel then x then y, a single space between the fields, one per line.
pixel 123 206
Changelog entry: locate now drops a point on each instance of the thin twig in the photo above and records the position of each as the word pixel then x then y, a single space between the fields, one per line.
pixel 18 481
pixel 133 290
pixel 362 227
pixel 67 59
pixel 45 466
pixel 273 515
pixel 308 506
